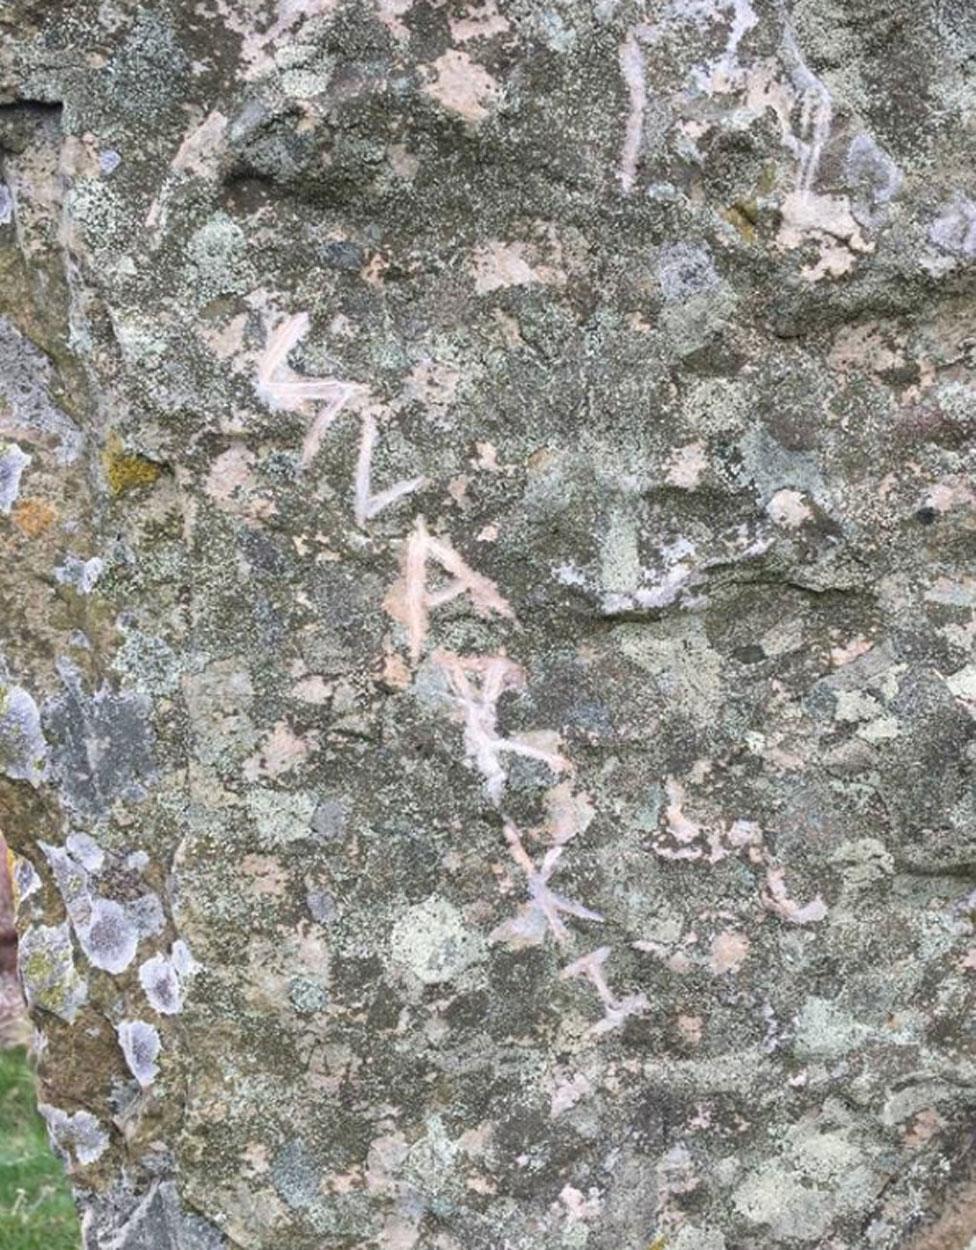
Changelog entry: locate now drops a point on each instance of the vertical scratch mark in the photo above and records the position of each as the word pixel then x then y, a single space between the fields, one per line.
pixel 366 504
pixel 635 76
pixel 816 111
pixel 339 397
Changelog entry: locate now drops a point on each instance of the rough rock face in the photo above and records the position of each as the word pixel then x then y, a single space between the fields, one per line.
pixel 488 617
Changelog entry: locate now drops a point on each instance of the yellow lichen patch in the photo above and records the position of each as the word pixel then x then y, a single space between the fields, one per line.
pixel 126 470
pixel 743 218
pixel 33 516
pixel 659 1243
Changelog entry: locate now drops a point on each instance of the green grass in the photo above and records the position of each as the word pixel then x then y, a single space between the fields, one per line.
pixel 36 1211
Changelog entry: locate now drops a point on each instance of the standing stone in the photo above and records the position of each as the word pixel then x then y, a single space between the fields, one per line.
pixel 488 618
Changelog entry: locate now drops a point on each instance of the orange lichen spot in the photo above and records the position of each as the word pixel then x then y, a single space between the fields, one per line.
pixel 125 471
pixel 33 516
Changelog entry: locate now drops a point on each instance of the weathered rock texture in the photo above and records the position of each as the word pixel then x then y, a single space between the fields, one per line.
pixel 488 617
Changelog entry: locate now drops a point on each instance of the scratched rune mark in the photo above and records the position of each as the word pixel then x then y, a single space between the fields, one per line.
pixel 615 1010
pixel 410 602
pixel 477 683
pixel 283 389
pixel 542 910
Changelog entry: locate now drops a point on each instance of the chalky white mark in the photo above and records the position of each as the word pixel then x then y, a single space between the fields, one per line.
pixel 13 462
pixel 368 505
pixel 543 910
pixel 828 220
pixel 634 73
pixel 816 113
pixel 687 839
pixel 776 899
pixel 281 388
pixel 141 1046
pixel 410 602
pixel 200 151
pixel 725 73
pixel 615 1010
pixel 477 683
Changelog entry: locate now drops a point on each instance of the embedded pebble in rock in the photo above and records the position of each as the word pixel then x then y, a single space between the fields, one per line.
pixel 488 618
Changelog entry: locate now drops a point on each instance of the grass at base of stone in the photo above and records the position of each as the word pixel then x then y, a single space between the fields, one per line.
pixel 36 1211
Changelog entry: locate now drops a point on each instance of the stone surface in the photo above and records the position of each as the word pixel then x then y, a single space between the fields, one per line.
pixel 488 618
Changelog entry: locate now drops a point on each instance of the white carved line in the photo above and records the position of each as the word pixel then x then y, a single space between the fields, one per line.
pixel 542 911
pixel 368 505
pixel 282 388
pixel 477 683
pixel 615 1010
pixel 634 73
pixel 410 602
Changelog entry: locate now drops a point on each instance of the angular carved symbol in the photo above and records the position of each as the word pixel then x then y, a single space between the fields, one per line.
pixel 615 1010
pixel 282 388
pixel 477 683
pixel 410 602
pixel 528 927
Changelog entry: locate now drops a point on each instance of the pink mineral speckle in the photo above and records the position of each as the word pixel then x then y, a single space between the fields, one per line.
pixel 462 86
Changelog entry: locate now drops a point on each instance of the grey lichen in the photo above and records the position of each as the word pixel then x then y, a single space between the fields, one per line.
pixel 101 744
pixel 13 462
pixel 141 1044
pixel 23 748
pixel 78 1137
